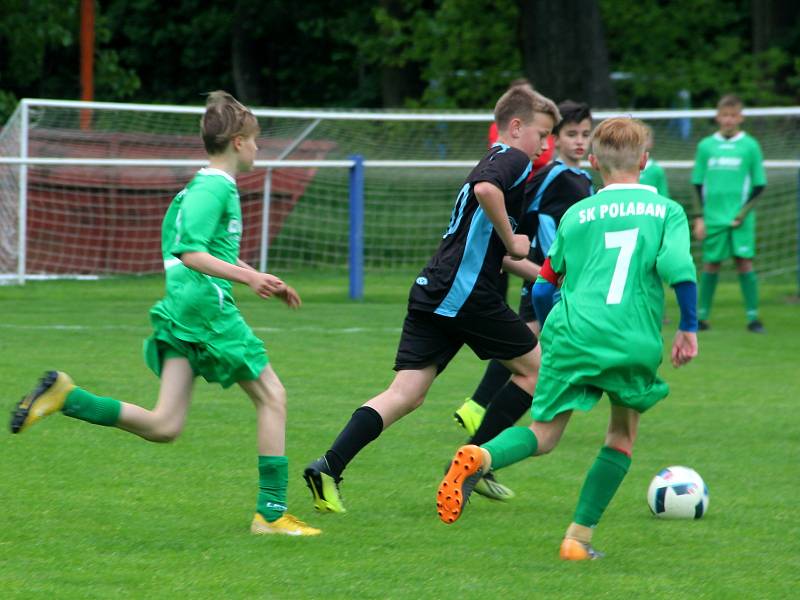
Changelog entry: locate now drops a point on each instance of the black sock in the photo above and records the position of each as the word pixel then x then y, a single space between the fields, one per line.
pixel 503 411
pixel 364 426
pixel 494 378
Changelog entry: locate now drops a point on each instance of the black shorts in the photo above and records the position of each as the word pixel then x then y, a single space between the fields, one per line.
pixel 526 311
pixel 431 339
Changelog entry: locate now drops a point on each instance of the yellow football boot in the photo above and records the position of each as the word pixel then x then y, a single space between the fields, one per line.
pixel 286 525
pixel 45 399
pixel 469 415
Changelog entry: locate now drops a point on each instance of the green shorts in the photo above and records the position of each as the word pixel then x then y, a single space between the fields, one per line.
pixel 740 242
pixel 554 395
pixel 226 355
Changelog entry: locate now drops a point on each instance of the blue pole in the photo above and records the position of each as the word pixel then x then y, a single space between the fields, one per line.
pixel 356 254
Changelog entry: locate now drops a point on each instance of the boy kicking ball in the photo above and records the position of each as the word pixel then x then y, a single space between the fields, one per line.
pixel 198 329
pixel 612 250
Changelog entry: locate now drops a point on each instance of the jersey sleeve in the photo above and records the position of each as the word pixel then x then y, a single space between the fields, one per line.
pixel 757 174
pixel 197 221
pixel 700 164
pixel 506 170
pixel 674 260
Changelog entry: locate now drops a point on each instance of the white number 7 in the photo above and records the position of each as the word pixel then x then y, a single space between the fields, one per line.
pixel 626 242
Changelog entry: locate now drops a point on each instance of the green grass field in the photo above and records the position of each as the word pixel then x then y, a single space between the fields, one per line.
pixel 90 512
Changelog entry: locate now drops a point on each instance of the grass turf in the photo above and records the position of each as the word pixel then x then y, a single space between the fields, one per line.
pixel 90 512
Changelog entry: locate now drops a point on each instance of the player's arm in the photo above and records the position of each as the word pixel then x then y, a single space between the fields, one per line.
pixel 263 284
pixel 286 292
pixel 525 268
pixel 759 179
pixel 698 177
pixel 748 206
pixel 676 267
pixel 684 347
pixel 492 200
pixel 545 291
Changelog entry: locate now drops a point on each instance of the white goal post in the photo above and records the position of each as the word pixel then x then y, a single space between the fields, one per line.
pixel 354 190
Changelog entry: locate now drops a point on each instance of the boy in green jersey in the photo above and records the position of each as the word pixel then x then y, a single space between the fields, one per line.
pixel 612 251
pixel 728 175
pixel 198 329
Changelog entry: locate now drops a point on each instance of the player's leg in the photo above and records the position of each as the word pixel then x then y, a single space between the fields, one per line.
pixel 269 398
pixel 56 391
pixel 471 463
pixel 601 483
pixel 426 346
pixel 470 414
pixel 406 393
pixel 507 338
pixel 744 250
pixel 716 248
pixel 708 286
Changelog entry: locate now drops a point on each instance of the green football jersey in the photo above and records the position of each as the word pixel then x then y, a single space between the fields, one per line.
pixel 614 249
pixel 653 174
pixel 203 217
pixel 727 169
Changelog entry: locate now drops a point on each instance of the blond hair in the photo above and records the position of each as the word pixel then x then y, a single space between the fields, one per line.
pixel 619 143
pixel 522 102
pixel 224 119
pixel 730 101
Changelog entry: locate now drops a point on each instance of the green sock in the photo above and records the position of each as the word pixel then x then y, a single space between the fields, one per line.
pixel 85 406
pixel 511 445
pixel 600 485
pixel 708 285
pixel 273 479
pixel 749 284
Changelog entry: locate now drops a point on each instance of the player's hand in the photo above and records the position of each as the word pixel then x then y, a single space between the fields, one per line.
pixel 684 348
pixel 289 296
pixel 700 228
pixel 265 285
pixel 520 246
pixel 736 222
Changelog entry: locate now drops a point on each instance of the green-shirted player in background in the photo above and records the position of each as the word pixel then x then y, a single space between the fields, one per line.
pixel 198 329
pixel 728 175
pixel 653 174
pixel 612 251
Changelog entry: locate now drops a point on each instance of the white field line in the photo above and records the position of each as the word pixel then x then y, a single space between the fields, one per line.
pixel 143 329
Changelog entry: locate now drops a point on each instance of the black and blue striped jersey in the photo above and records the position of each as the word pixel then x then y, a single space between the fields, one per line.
pixel 548 196
pixel 462 277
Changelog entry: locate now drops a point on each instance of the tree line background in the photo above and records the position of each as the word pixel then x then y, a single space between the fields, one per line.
pixel 407 53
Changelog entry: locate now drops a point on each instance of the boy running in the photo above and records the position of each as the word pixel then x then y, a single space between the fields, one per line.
pixel 198 329
pixel 728 175
pixel 548 195
pixel 612 250
pixel 455 300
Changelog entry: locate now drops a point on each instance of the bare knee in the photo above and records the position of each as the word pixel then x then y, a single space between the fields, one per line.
pixel 272 397
pixel 405 396
pixel 164 432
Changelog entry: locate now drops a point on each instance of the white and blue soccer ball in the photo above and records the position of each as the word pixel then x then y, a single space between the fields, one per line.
pixel 678 493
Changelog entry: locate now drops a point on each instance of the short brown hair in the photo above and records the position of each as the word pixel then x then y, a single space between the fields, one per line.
pixel 619 143
pixel 523 102
pixel 730 101
pixel 224 119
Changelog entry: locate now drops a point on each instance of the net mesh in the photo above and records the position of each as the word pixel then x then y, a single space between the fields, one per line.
pixel 93 219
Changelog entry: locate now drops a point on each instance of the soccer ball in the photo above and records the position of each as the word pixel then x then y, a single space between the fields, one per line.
pixel 678 493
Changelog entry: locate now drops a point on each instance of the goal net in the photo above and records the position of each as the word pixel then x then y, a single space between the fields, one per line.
pixel 84 186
